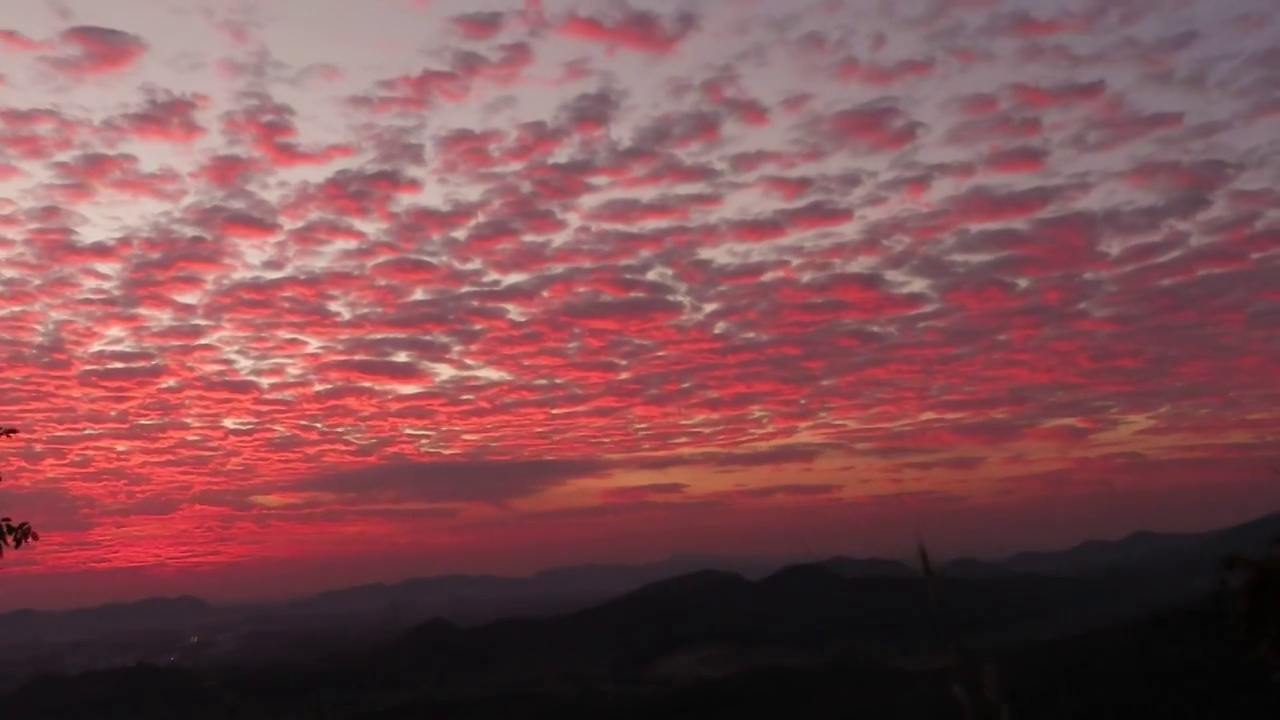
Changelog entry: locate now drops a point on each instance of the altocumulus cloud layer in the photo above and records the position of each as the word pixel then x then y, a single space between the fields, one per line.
pixel 305 282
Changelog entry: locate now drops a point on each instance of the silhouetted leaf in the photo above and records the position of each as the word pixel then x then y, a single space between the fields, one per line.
pixel 21 533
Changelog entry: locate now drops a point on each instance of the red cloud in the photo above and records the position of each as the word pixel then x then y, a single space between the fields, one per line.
pixel 1123 128
pixel 632 493
pixel 417 92
pixel 479 25
pixel 1017 160
pixel 14 40
pixel 119 173
pixel 1024 24
pixel 641 31
pixel 996 128
pixel 98 51
pixel 227 171
pixel 1041 97
pixel 358 369
pixel 724 93
pixel 875 129
pixel 352 194
pixel 465 292
pixel 977 104
pixel 788 490
pixel 164 116
pixel 39 133
pixel 1180 177
pixel 235 223
pixel 268 127
pixel 884 75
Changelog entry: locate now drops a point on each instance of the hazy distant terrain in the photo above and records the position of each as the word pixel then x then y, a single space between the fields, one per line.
pixel 633 628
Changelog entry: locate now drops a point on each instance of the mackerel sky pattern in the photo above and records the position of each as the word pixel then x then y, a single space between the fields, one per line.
pixel 301 293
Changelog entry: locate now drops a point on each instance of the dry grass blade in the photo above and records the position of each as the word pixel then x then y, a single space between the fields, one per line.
pixel 985 676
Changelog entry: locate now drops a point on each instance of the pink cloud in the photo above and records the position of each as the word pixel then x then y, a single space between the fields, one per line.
pixel 640 31
pixel 13 40
pixel 497 298
pixel 1017 160
pixel 97 51
pixel 885 75
pixel 163 116
pixel 479 25
pixel 876 129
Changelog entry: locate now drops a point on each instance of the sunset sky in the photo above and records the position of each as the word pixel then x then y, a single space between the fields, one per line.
pixel 296 294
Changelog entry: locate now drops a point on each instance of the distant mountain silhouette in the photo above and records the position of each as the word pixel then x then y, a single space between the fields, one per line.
pixel 480 598
pixel 1171 665
pixel 1145 551
pixel 801 614
pixel 979 569
pixel 111 620
pixel 1094 556
pixel 868 567
pixel 704 639
pixel 1172 567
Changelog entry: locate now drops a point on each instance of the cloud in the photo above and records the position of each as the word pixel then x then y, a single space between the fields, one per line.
pixel 1044 97
pixel 789 490
pixel 97 51
pixel 452 481
pixel 634 30
pixel 14 40
pixel 885 75
pixel 479 25
pixel 633 493
pixel 874 129
pixel 163 116
pixel 51 511
pixel 1017 160
pixel 656 264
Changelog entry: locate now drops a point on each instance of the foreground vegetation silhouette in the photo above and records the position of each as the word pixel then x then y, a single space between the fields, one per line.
pixel 14 534
pixel 975 684
pixel 1255 587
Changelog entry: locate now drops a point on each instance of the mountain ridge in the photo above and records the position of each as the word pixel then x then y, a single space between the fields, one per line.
pixel 479 598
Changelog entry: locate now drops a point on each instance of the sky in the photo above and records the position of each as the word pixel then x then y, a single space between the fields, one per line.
pixel 304 293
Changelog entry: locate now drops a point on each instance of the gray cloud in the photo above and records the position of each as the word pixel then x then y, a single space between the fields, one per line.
pixel 453 481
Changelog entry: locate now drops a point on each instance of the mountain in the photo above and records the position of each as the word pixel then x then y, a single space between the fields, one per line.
pixel 978 569
pixel 825 639
pixel 802 614
pixel 1179 664
pixel 480 598
pixel 1140 571
pixel 1151 552
pixel 104 621
pixel 1094 556
pixel 868 567
pixel 620 578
